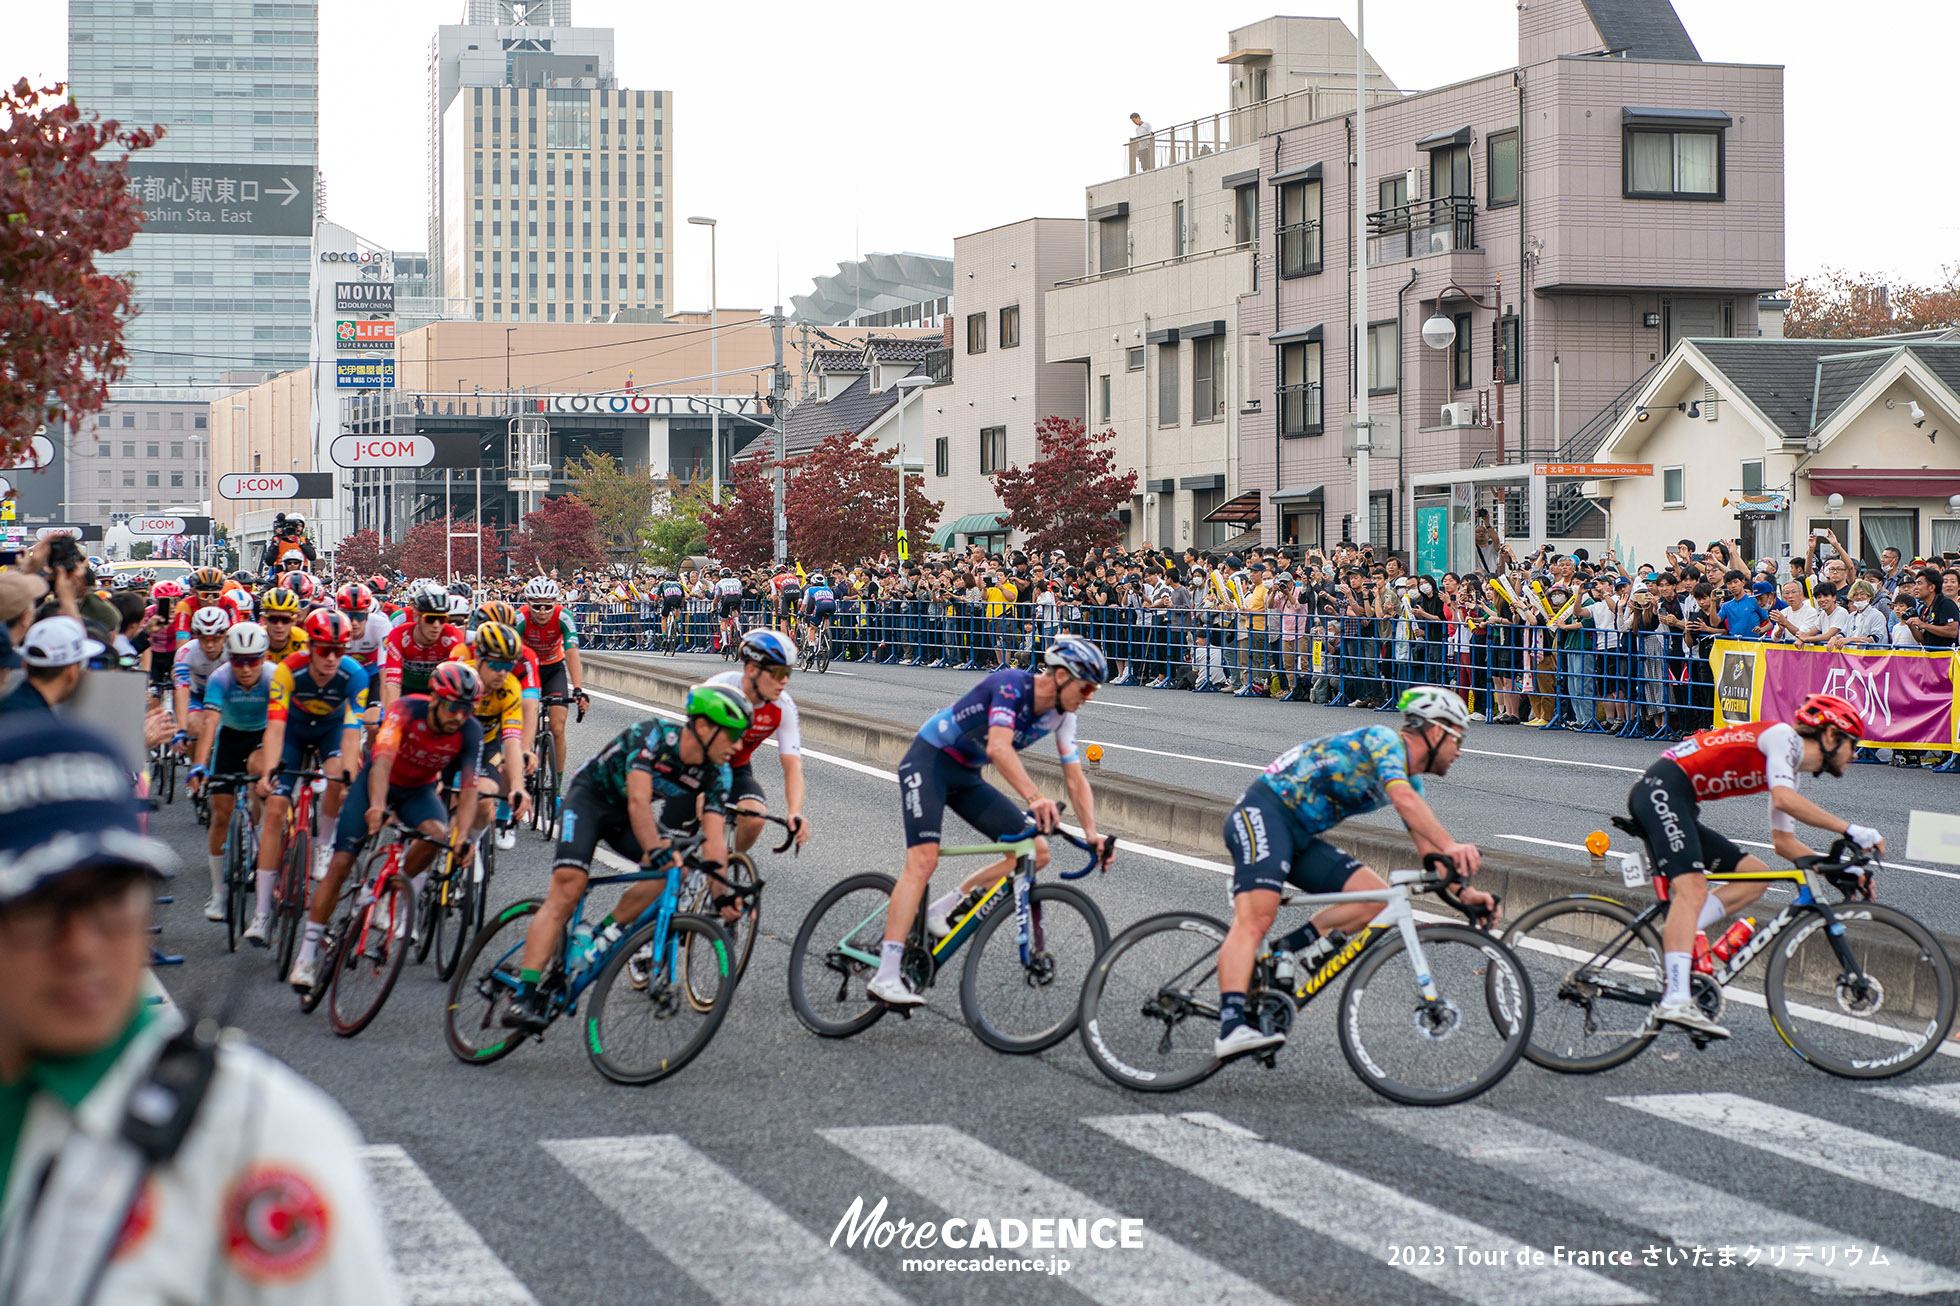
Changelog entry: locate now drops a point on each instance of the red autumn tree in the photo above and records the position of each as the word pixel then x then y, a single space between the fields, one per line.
pixel 426 552
pixel 362 554
pixel 61 321
pixel 842 503
pixel 1068 497
pixel 562 533
pixel 1839 305
pixel 739 528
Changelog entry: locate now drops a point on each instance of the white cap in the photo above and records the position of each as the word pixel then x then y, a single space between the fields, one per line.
pixel 58 642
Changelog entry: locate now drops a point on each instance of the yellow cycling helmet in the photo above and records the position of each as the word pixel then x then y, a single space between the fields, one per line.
pixel 495 642
pixel 279 601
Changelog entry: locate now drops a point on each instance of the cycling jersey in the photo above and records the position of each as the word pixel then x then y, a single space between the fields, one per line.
pixel 295 643
pixel 408 663
pixel 729 587
pixel 1739 759
pixel 369 636
pixel 550 637
pixel 671 591
pixel 503 708
pixel 525 671
pixel 1323 782
pixel 310 707
pixel 818 595
pixel 192 669
pixel 1005 698
pixel 777 718
pixel 651 746
pixel 238 708
pixel 420 754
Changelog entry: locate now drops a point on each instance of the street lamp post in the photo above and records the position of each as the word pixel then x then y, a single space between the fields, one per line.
pixel 906 386
pixel 1363 426
pixel 714 356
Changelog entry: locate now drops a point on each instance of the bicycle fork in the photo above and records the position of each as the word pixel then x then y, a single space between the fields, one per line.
pixel 1404 920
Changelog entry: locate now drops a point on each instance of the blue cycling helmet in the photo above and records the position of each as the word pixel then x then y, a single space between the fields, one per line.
pixel 1079 657
pixel 768 648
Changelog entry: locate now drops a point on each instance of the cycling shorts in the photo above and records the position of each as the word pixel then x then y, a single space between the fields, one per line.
pixel 929 782
pixel 554 680
pixel 585 820
pixel 326 743
pixel 489 765
pixel 731 604
pixel 1271 849
pixel 745 785
pixel 668 605
pixel 412 804
pixel 230 754
pixel 1663 803
pixel 822 611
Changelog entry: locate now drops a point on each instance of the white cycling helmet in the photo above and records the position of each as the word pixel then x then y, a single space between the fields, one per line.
pixel 459 608
pixel 1427 705
pixel 246 639
pixel 541 589
pixel 211 621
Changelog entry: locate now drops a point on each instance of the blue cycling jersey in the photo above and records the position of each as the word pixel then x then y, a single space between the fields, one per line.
pixel 1323 782
pixel 238 708
pixel 819 594
pixel 1006 698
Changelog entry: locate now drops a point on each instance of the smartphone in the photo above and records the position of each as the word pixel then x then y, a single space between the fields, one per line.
pixel 1819 533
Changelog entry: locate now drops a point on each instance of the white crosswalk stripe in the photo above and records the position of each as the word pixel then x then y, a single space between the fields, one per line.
pixel 1355 1211
pixel 1647 1197
pixel 1944 1098
pixel 741 1248
pixel 1838 1149
pixel 440 1257
pixel 968 1179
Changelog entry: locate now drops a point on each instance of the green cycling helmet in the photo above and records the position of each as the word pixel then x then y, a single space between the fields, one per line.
pixel 721 705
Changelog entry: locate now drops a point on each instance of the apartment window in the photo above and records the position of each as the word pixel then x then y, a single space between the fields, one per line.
pixel 1384 358
pixel 176 451
pixel 1208 379
pixel 1671 495
pixel 129 477
pixel 993 449
pixel 1507 340
pixel 1114 247
pixel 1673 163
pixel 1503 170
pixel 103 420
pixel 1010 326
pixel 1299 229
pixel 1381 516
pixel 150 479
pixel 150 450
pixel 1299 389
pixel 1133 359
pixel 176 480
pixel 200 421
pixel 1102 398
pixel 149 422
pixel 1393 196
pixel 1167 384
pixel 1177 228
pixel 976 333
pixel 105 479
pixel 1449 173
pixel 129 448
pixel 129 420
pixel 1460 371
pixel 1245 215
pixel 1752 477
pixel 176 421
pixel 103 448
pixel 942 457
pixel 568 119
pixel 255 466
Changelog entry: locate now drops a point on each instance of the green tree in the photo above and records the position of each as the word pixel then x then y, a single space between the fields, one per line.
pixel 620 499
pixel 676 531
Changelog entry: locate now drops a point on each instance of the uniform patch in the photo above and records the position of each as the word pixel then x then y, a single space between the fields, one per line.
pixel 141 1219
pixel 276 1225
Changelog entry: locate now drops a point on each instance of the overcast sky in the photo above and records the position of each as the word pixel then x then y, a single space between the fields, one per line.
pixel 813 131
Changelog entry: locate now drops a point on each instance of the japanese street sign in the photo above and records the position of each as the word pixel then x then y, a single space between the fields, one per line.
pixel 245 199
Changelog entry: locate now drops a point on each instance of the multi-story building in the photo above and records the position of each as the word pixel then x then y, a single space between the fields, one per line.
pixel 547 179
pixel 235 84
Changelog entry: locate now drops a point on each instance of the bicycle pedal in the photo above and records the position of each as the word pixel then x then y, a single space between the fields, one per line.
pixel 1269 1058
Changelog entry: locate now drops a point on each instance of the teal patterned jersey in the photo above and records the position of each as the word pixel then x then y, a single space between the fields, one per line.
pixel 1325 781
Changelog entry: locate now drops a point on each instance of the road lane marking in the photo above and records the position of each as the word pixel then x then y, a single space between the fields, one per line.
pixel 1127 707
pixel 1944 1098
pixel 1823 1144
pixel 1184 757
pixel 439 1256
pixel 1369 1217
pixel 738 1246
pixel 1557 761
pixel 1644 1196
pixel 1890 866
pixel 968 1179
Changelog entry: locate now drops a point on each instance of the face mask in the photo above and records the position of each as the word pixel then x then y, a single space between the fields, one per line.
pixel 1426 589
pixel 1859 605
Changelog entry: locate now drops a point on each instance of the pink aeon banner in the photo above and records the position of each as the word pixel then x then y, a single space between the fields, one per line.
pixel 1907 695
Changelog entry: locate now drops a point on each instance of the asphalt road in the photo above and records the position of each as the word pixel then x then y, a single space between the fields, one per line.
pixel 1540 791
pixel 534 1180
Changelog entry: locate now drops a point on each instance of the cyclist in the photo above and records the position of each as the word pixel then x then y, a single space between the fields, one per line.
pixel 526 675
pixel 315 704
pixel 767 660
pixel 992 722
pixel 371 628
pixel 383 604
pixel 415 649
pixel 207 584
pixel 728 599
pixel 421 737
pixel 673 605
pixel 495 652
pixel 1721 763
pixel 1274 834
pixel 788 586
pixel 233 703
pixel 282 611
pixel 161 652
pixel 192 666
pixel 611 799
pixel 550 632
pixel 819 604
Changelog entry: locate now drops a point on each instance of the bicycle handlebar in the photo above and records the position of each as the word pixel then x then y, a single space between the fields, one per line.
pixel 1099 852
pixel 1441 877
pixel 1847 868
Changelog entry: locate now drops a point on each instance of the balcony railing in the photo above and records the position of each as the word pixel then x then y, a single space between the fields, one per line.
pixel 1299 249
pixel 1434 226
pixel 1299 409
pixel 939 366
pixel 1242 126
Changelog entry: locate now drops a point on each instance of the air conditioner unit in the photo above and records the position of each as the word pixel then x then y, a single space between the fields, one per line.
pixel 1459 414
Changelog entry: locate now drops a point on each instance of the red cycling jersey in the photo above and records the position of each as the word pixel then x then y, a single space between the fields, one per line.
pixel 1739 759
pixel 547 638
pixel 407 662
pixel 420 754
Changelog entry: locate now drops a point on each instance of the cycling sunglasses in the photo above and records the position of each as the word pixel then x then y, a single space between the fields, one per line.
pixel 499 668
pixel 247 659
pixel 335 649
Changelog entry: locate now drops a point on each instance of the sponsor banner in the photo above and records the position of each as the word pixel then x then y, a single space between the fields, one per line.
pixel 73 532
pixel 231 199
pixel 1906 694
pixel 157 527
pixel 276 485
pixel 363 296
pixel 650 405
pixel 409 449
pixel 366 336
pixel 363 373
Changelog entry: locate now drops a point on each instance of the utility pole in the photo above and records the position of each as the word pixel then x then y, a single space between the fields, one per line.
pixel 778 401
pixel 1363 433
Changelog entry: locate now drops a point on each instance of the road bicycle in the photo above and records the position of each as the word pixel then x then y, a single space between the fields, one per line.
pixel 1858 989
pixel 370 937
pixel 291 885
pixel 164 764
pixel 641 1027
pixel 548 783
pixel 451 909
pixel 814 652
pixel 1448 1031
pixel 737 887
pixel 1017 996
pixel 241 851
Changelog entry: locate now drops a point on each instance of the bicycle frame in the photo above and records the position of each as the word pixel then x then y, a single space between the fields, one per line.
pixel 1397 914
pixel 661 908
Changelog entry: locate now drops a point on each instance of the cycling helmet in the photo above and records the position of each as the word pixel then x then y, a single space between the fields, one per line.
pixel 166 590
pixel 212 620
pixel 327 626
pixel 496 642
pixel 207 580
pixel 454 682
pixel 123 581
pixel 242 578
pixel 246 640
pixel 1830 710
pixel 1079 657
pixel 355 599
pixel 541 589
pixel 302 584
pixel 379 584
pixel 429 598
pixel 461 587
pixel 497 610
pixel 768 648
pixel 1427 705
pixel 280 602
pixel 459 607
pixel 728 571
pixel 721 705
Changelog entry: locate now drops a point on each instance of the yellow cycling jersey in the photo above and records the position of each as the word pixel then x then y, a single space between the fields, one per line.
pixel 504 706
pixel 296 643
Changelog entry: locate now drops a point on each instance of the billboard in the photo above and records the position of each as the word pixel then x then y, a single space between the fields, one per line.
pixel 276 485
pixel 363 373
pixel 416 449
pixel 364 336
pixel 363 296
pixel 232 199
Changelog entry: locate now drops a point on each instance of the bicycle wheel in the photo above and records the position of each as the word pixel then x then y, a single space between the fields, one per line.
pixel 1149 1009
pixel 836 954
pixel 371 957
pixel 641 1033
pixel 456 922
pixel 483 986
pixel 544 801
pixel 1422 1053
pixel 1883 1026
pixel 289 898
pixel 1596 976
pixel 429 909
pixel 238 872
pixel 1021 1007
pixel 741 934
pixel 167 775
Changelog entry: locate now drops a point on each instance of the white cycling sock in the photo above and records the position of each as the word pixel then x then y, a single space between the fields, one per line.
pixel 311 943
pixel 415 886
pixel 942 905
pixel 1678 964
pixel 888 958
pixel 1712 910
pixel 217 861
pixel 262 903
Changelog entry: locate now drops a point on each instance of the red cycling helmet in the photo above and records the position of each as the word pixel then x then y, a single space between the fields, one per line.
pixel 377 583
pixel 165 590
pixel 454 682
pixel 1831 710
pixel 327 627
pixel 355 599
